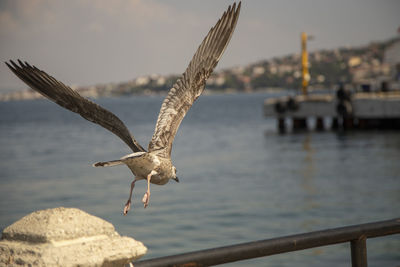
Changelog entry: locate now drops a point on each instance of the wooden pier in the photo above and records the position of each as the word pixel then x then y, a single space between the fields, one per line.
pixel 379 110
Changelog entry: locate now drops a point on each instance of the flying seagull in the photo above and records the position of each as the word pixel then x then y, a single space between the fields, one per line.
pixel 153 165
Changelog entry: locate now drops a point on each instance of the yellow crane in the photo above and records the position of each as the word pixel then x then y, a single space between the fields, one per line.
pixel 304 62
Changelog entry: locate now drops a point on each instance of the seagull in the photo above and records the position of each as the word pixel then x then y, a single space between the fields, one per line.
pixel 153 165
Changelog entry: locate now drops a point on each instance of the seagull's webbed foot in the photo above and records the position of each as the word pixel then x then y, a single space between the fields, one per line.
pixel 128 203
pixel 127 207
pixel 146 199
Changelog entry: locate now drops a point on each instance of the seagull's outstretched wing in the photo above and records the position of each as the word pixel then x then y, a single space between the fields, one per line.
pixel 70 99
pixel 191 84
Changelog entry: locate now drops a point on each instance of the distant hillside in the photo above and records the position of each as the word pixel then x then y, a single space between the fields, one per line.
pixel 353 65
pixel 327 68
pixel 350 65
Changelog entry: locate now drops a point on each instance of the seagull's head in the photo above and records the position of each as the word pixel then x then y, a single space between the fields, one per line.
pixel 174 177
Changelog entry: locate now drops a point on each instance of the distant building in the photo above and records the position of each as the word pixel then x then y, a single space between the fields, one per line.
pixel 392 58
pixel 354 61
pixel 258 70
pixel 142 80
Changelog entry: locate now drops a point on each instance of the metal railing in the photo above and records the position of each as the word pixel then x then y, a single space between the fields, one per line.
pixel 355 234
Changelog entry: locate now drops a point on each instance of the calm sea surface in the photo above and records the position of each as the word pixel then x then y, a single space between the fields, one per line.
pixel 240 180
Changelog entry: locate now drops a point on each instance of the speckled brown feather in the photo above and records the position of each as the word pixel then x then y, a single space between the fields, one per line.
pixel 191 84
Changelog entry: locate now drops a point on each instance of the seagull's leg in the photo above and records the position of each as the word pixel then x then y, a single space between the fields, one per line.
pixel 146 196
pixel 128 203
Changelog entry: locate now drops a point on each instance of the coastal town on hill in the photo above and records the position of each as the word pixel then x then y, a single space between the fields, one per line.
pixel 369 65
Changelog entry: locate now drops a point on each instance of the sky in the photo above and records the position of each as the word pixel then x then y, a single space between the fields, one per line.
pixel 86 42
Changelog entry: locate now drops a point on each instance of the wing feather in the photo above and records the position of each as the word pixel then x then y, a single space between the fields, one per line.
pixel 64 96
pixel 191 84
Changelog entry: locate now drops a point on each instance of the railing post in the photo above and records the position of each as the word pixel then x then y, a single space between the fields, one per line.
pixel 359 252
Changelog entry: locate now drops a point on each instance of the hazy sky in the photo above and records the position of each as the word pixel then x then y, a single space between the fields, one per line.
pixel 94 41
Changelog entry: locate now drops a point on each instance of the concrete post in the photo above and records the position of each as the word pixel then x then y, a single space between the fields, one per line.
pixel 66 237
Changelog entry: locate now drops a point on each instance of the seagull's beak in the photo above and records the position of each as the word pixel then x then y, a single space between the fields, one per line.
pixel 176 179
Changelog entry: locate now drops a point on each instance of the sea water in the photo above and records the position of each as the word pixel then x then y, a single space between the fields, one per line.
pixel 240 180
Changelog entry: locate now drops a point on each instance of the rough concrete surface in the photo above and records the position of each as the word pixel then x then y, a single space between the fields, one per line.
pixel 66 237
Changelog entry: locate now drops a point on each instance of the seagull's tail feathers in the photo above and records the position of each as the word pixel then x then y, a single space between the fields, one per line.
pixel 108 163
pixel 119 161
